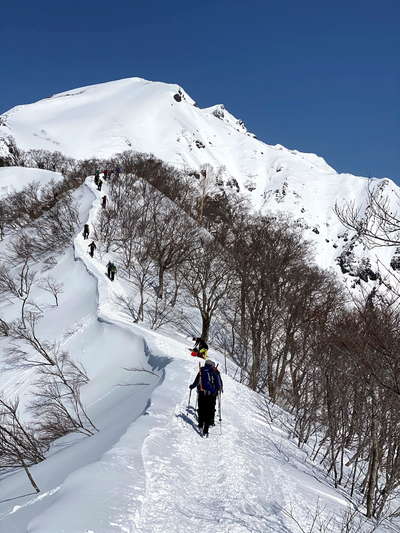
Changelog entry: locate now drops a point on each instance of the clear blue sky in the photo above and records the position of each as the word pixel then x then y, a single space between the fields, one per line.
pixel 318 76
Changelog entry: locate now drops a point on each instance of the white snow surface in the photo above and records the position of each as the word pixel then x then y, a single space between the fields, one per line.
pixel 13 179
pixel 148 470
pixel 101 120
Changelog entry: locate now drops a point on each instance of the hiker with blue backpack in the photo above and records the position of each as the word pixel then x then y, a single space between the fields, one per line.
pixel 209 385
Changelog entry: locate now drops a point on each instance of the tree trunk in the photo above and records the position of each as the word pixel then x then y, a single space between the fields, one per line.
pixel 373 474
pixel 23 313
pixel 243 307
pixel 160 291
pixel 206 322
pixel 28 474
pixel 141 306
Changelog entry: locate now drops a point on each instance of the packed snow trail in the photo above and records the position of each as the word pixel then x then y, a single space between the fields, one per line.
pixel 234 482
pixel 148 470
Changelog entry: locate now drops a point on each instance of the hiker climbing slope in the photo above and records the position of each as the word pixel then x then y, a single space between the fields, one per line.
pixel 209 384
pixel 109 267
pixel 92 247
pixel 113 271
pixel 200 348
pixel 86 231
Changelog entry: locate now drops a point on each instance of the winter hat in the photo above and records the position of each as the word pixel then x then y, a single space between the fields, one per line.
pixel 209 362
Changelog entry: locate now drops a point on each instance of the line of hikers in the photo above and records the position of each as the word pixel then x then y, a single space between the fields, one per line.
pixel 107 173
pixel 111 268
pixel 208 381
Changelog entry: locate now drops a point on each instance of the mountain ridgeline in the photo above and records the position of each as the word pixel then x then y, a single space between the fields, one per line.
pixel 266 251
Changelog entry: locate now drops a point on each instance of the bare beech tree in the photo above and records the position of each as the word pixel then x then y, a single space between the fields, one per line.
pixel 48 160
pixel 173 238
pixel 52 286
pixel 141 275
pixel 23 335
pixel 159 311
pixel 57 226
pixel 19 447
pixel 207 276
pixel 17 286
pixel 270 260
pixel 105 229
pixel 58 403
pixel 378 224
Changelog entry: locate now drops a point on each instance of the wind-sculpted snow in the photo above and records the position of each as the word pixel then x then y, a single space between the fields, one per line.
pixel 14 179
pixel 148 470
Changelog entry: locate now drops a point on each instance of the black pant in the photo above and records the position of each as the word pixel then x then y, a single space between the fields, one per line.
pixel 206 410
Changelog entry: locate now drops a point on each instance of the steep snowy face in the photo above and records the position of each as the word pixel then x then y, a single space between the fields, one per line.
pixel 13 179
pixel 159 118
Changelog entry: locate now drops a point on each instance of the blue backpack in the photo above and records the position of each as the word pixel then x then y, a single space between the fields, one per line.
pixel 210 380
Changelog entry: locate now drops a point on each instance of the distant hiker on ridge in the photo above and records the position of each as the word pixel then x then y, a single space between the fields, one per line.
pixel 113 271
pixel 92 247
pixel 100 183
pixel 86 231
pixel 209 384
pixel 109 266
pixel 104 201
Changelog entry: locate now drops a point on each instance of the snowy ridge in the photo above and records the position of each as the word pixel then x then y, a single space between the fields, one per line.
pixel 229 468
pixel 162 119
pixel 148 470
pixel 159 475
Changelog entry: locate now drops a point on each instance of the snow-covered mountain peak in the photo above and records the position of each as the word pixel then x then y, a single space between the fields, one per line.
pixel 145 451
pixel 160 118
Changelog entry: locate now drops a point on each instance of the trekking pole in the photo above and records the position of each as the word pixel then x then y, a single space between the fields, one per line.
pixel 219 413
pixel 188 405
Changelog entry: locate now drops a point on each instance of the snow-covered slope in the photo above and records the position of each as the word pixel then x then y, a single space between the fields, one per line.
pixel 160 118
pixel 13 179
pixel 148 470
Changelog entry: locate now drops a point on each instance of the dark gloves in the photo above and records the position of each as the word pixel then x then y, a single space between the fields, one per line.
pixel 191 387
